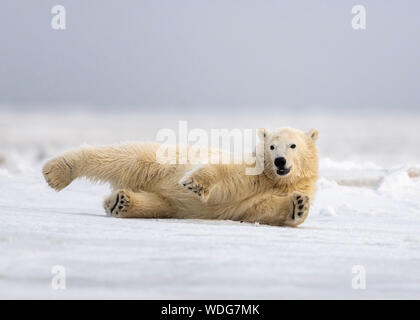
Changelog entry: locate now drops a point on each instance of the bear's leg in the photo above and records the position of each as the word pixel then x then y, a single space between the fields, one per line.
pixel 290 210
pixel 124 203
pixel 218 181
pixel 124 166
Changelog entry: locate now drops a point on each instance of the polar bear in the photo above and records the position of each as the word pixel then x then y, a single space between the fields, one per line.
pixel 280 195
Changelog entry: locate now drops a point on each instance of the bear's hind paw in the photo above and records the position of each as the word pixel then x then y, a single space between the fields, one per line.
pixel 117 204
pixel 58 173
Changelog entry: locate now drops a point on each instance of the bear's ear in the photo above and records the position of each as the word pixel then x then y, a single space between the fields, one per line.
pixel 262 134
pixel 313 134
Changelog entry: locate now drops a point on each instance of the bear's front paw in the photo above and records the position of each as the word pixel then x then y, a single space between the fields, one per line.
pixel 300 208
pixel 117 204
pixel 195 185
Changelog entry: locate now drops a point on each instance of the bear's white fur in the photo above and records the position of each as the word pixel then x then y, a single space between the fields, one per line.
pixel 145 188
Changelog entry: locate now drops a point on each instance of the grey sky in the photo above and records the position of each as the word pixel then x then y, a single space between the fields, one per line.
pixel 194 54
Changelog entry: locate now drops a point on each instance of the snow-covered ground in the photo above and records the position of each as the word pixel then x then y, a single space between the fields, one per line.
pixel 366 213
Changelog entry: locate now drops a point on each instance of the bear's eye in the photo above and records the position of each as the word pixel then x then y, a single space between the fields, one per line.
pixel 272 147
pixel 293 146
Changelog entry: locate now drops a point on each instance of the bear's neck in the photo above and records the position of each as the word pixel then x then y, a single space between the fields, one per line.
pixel 286 186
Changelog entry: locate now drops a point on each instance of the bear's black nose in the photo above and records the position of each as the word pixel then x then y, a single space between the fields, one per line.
pixel 280 162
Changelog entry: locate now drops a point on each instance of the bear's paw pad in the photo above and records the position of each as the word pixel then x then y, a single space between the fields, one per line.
pixel 300 203
pixel 117 204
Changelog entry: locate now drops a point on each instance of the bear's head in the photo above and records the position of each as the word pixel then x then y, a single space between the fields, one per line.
pixel 289 154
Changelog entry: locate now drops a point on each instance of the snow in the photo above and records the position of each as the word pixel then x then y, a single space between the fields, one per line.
pixel 329 164
pixel 366 213
pixel 395 181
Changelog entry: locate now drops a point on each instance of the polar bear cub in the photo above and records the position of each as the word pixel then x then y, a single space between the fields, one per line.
pixel 145 188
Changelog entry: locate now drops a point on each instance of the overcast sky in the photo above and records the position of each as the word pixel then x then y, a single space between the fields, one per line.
pixel 195 54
